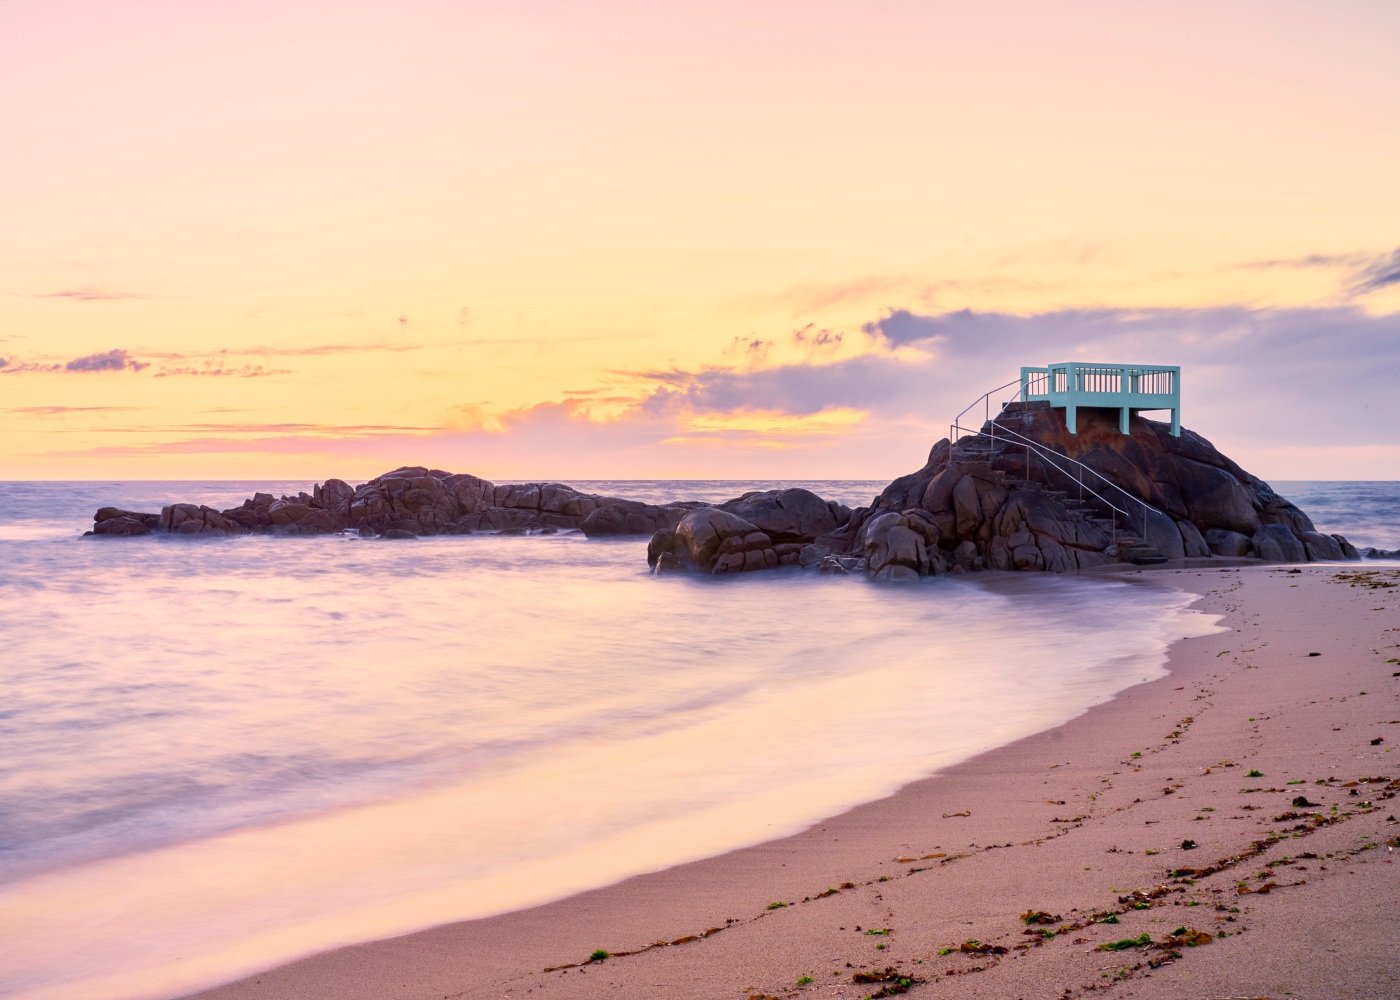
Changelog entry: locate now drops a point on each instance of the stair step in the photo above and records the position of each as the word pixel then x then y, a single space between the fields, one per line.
pixel 1142 557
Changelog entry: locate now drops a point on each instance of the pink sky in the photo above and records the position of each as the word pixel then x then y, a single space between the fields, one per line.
pixel 785 240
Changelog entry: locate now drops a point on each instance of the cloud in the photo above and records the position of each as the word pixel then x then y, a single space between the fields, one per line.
pixel 1314 260
pixel 1367 272
pixel 1383 273
pixel 88 294
pixel 217 368
pixel 49 411
pixel 315 430
pixel 114 360
pixel 1264 384
pixel 319 349
pixel 12 367
pixel 1303 373
pixel 814 341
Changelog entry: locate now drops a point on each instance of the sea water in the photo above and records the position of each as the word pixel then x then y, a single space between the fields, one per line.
pixel 219 754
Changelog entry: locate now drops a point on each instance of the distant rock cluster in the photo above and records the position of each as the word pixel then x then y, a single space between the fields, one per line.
pixel 406 503
pixel 1006 499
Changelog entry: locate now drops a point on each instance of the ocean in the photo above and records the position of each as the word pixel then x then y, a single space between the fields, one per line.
pixel 221 754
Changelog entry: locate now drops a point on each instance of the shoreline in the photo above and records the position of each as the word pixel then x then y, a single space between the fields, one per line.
pixel 1061 822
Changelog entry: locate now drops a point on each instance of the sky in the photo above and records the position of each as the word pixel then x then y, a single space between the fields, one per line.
pixel 785 240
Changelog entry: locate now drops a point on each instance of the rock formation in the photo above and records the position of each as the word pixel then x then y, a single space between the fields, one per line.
pixel 1010 497
pixel 754 531
pixel 407 502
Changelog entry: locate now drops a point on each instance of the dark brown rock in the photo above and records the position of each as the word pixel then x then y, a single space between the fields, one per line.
pixel 710 540
pixel 1276 543
pixel 897 548
pixel 790 515
pixel 192 519
pixel 118 522
pixel 124 524
pixel 632 517
pixel 1231 544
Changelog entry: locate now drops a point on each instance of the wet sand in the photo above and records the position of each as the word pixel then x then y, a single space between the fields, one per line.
pixel 1240 813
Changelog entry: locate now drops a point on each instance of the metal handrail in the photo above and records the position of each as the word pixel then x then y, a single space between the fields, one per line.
pixel 985 398
pixel 1049 456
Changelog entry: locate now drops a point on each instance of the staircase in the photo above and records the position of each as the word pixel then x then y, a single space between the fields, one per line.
pixel 984 454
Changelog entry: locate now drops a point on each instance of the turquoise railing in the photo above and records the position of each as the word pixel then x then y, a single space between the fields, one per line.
pixel 1126 388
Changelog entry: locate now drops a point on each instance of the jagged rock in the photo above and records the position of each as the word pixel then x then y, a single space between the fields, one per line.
pixel 833 565
pixel 790 515
pixel 318 522
pixel 123 523
pixel 1228 543
pixel 117 522
pixel 632 517
pixel 811 556
pixel 334 496
pixel 1193 541
pixel 1276 543
pixel 1372 553
pixel 902 546
pixel 1319 546
pixel 993 505
pixel 192 519
pixel 287 512
pixel 976 504
pixel 966 558
pixel 710 540
pixel 1162 533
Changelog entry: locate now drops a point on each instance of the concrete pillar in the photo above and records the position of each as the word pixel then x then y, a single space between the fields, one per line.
pixel 1123 413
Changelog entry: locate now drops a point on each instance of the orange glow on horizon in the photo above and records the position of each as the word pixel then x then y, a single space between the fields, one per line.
pixel 309 239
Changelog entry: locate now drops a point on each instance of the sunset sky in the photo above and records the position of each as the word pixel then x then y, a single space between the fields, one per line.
pixel 761 240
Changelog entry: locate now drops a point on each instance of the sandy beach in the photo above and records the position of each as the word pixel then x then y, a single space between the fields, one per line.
pixel 1230 828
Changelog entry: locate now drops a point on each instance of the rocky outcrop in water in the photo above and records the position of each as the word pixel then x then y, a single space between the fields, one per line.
pixel 1009 498
pixel 406 502
pixel 755 531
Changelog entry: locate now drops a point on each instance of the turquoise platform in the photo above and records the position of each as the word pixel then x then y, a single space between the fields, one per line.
pixel 1127 388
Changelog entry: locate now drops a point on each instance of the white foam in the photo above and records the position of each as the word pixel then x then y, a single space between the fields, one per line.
pixel 940 672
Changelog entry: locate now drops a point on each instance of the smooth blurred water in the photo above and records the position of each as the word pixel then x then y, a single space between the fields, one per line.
pixel 1366 512
pixel 223 753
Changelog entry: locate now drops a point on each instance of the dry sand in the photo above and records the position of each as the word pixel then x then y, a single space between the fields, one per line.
pixel 1090 824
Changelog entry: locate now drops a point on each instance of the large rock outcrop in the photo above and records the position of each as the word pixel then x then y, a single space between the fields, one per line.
pixel 1010 498
pixel 410 500
pixel 1024 494
pixel 755 531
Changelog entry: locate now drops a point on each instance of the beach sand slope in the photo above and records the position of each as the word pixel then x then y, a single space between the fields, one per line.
pixel 1230 827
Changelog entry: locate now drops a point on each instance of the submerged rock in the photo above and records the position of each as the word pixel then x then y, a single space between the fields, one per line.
pixel 115 521
pixel 632 517
pixel 710 540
